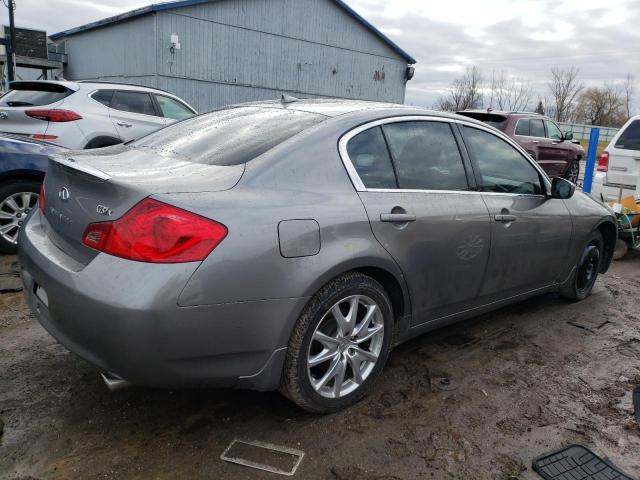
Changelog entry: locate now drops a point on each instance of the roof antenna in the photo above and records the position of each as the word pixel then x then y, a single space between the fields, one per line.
pixel 288 99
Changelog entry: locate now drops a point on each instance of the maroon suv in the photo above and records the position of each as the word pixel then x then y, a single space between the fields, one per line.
pixel 555 151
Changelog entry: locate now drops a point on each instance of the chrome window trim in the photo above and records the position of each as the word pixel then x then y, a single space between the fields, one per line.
pixel 360 187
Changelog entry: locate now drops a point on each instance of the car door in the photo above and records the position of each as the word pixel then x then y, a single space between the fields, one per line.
pixel 530 232
pixel 624 156
pixel 414 184
pixel 556 153
pixel 134 114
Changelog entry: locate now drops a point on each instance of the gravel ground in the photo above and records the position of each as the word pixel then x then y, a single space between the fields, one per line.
pixel 519 382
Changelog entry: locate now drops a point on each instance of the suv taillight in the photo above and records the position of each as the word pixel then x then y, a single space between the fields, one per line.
pixel 53 115
pixel 155 232
pixel 603 162
pixel 41 197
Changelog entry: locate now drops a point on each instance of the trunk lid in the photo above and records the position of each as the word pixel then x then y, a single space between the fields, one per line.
pixel 102 185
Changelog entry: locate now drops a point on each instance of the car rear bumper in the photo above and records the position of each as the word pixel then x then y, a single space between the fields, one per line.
pixel 123 317
pixel 606 192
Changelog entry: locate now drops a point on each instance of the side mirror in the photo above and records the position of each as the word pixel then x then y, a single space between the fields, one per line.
pixel 562 188
pixel 567 136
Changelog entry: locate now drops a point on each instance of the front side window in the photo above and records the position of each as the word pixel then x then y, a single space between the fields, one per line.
pixel 369 155
pixel 426 156
pixel 173 109
pixel 630 138
pixel 503 169
pixel 553 131
pixel 536 128
pixel 134 102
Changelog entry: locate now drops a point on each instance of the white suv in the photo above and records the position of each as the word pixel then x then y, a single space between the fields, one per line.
pixel 618 173
pixel 87 114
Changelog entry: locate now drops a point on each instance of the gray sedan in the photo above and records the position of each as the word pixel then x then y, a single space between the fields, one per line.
pixel 291 245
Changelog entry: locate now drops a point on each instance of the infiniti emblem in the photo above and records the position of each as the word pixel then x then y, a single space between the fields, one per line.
pixel 64 194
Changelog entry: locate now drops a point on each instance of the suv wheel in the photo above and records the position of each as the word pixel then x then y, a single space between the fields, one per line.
pixel 339 345
pixel 17 199
pixel 573 172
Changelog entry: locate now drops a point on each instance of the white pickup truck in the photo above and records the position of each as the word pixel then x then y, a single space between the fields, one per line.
pixel 618 169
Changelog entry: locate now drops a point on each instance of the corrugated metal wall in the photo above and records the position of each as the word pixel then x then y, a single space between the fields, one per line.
pixel 242 50
pixel 125 49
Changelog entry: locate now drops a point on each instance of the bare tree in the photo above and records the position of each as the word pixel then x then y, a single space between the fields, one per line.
pixel 464 92
pixel 629 84
pixel 565 88
pixel 507 93
pixel 602 106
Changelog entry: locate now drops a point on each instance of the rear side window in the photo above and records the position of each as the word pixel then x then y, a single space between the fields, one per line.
pixel 134 102
pixel 630 137
pixel 103 96
pixel 426 156
pixel 171 108
pixel 228 137
pixel 34 94
pixel 502 167
pixel 522 128
pixel 369 155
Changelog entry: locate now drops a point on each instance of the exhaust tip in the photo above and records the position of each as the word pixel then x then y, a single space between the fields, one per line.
pixel 114 383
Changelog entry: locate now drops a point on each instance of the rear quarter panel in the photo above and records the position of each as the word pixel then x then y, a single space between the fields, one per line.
pixel 301 179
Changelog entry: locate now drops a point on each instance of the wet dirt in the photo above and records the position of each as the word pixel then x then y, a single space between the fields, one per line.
pixel 478 400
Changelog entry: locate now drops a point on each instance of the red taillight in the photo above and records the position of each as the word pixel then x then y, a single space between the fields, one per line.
pixel 53 115
pixel 41 197
pixel 39 136
pixel 155 232
pixel 603 162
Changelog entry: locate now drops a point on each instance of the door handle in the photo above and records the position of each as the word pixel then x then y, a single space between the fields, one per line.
pixel 125 124
pixel 397 217
pixel 535 141
pixel 505 218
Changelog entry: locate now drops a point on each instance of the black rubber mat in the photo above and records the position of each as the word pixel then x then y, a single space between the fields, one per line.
pixel 636 403
pixel 576 462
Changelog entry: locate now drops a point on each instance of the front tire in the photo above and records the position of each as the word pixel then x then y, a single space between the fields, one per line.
pixel 584 276
pixel 339 345
pixel 17 199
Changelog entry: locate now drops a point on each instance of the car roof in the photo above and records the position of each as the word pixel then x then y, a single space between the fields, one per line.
pixel 336 107
pixel 502 112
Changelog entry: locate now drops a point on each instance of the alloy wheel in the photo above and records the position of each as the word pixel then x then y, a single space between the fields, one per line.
pixel 13 211
pixel 345 346
pixel 574 172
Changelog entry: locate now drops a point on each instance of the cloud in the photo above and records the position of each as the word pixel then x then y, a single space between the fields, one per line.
pixel 525 38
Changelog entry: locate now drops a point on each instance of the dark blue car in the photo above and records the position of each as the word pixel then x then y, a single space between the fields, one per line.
pixel 23 163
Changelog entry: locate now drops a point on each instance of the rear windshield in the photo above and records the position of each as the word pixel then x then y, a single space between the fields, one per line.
pixel 230 136
pixel 31 94
pixel 630 138
pixel 496 121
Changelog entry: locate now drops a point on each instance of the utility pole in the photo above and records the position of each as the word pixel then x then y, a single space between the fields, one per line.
pixel 11 46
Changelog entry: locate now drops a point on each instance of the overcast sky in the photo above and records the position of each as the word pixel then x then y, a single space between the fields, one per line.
pixel 524 37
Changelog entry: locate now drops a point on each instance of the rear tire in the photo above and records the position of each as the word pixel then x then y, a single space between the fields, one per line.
pixel 330 363
pixel 584 275
pixel 17 199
